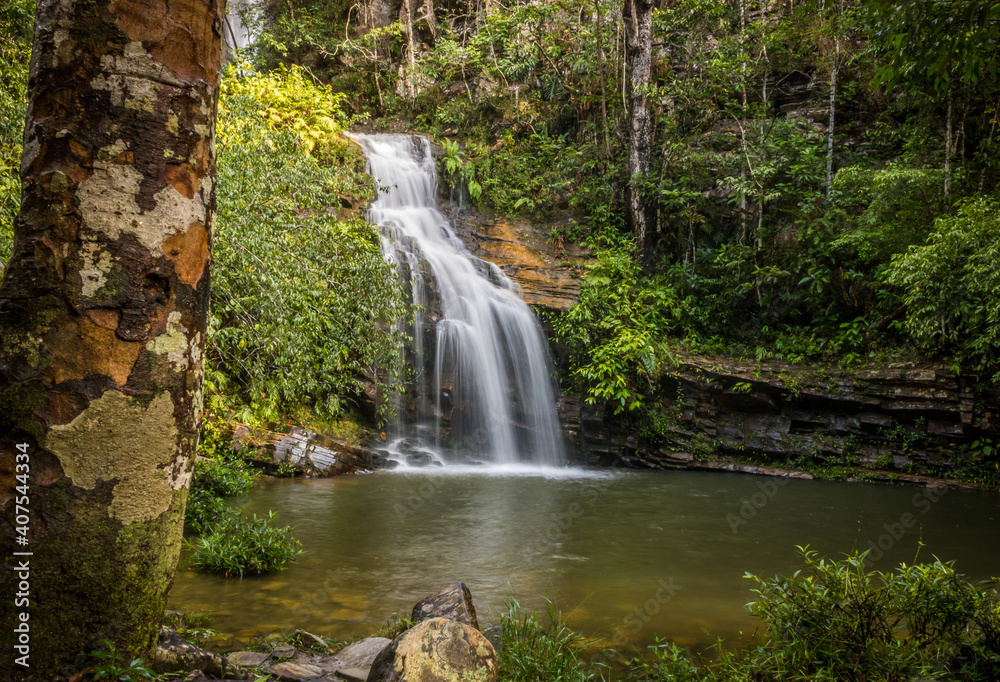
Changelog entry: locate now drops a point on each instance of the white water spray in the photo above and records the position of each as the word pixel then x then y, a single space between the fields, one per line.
pixel 481 385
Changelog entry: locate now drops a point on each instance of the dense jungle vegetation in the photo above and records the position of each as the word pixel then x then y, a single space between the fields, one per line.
pixel 823 179
pixel 823 182
pixel 823 187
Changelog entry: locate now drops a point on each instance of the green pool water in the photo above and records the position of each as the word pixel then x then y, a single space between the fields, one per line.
pixel 624 555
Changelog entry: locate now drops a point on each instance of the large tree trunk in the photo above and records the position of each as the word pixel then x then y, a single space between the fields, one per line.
pixel 638 16
pixel 102 322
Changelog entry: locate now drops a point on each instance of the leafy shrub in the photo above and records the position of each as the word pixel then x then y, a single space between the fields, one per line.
pixel 218 475
pixel 841 620
pixel 616 330
pixel 203 510
pixel 236 546
pixel 224 478
pixel 951 285
pixel 533 652
pixel 301 299
pixel 114 667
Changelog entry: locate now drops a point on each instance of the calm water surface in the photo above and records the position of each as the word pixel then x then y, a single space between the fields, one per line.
pixel 624 555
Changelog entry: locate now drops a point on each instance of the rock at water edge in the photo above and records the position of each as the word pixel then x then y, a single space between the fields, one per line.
pixel 453 602
pixel 175 654
pixel 437 650
pixel 361 654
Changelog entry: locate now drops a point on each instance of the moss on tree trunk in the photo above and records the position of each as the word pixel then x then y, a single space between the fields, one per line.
pixel 103 314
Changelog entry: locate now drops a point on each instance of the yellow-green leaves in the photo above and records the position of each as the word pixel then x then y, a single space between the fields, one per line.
pixel 285 100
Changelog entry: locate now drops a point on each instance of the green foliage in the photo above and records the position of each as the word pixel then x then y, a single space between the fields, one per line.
pixel 16 17
pixel 532 651
pixel 842 621
pixel 951 285
pixel 218 476
pixel 457 172
pixel 114 667
pixel 616 331
pixel 667 661
pixel 540 174
pixel 302 301
pixel 935 40
pixel 885 211
pixel 237 546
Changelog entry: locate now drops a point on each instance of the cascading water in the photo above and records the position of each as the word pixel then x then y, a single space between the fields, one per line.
pixel 480 385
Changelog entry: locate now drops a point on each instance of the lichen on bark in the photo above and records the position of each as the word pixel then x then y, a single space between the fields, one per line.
pixel 103 313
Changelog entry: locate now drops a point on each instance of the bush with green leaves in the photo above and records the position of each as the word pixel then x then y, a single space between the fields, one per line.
pixel 112 666
pixel 237 546
pixel 534 651
pixel 841 621
pixel 951 285
pixel 616 332
pixel 303 301
pixel 219 474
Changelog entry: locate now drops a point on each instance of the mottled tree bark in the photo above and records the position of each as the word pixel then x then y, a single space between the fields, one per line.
pixel 102 320
pixel 638 17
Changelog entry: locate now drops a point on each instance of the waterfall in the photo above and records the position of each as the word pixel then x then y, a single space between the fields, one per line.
pixel 480 384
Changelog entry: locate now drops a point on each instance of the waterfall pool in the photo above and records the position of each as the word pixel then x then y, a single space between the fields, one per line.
pixel 624 555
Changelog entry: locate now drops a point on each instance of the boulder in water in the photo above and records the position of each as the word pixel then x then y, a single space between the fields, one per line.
pixel 437 650
pixel 453 602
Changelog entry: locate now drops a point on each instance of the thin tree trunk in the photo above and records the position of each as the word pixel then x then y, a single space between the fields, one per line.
pixel 604 90
pixel 833 104
pixel 103 316
pixel 639 40
pixel 743 133
pixel 947 144
pixel 411 48
pixel 763 127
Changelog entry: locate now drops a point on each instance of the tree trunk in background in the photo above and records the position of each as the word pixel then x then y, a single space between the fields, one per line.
pixel 638 17
pixel 604 89
pixel 411 46
pixel 834 72
pixel 947 142
pixel 102 320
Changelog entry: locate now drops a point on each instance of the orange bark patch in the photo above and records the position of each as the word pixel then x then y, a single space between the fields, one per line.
pixel 82 348
pixel 182 178
pixel 80 151
pixel 189 253
pixel 104 317
pixel 181 34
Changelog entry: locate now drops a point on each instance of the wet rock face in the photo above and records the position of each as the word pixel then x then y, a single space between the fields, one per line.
pixel 437 650
pixel 453 602
pixel 896 419
pixel 522 250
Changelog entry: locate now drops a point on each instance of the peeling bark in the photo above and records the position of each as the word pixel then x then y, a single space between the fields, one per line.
pixel 103 315
pixel 638 17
